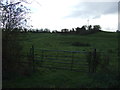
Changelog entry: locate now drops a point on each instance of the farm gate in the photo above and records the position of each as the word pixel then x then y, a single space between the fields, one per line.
pixel 60 59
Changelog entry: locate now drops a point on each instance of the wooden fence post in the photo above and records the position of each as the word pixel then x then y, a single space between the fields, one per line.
pixel 29 62
pixel 32 55
pixel 42 56
pixel 89 60
pixel 94 61
pixel 72 60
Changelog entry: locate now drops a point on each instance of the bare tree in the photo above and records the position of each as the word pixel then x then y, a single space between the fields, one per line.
pixel 13 19
pixel 13 15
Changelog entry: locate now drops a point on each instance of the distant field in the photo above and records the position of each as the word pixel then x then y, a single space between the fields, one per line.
pixel 106 42
pixel 102 41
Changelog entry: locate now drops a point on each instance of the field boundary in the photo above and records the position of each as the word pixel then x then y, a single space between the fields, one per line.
pixel 81 61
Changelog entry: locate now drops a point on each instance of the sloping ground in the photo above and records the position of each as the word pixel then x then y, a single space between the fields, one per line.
pixel 101 41
pixel 106 42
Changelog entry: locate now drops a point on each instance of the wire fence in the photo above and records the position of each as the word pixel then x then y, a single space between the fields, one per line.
pixel 80 61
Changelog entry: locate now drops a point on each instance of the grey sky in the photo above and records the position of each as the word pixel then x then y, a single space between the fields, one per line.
pixel 59 14
pixel 93 9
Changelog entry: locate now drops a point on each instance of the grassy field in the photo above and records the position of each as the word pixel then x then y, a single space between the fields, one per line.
pixel 102 41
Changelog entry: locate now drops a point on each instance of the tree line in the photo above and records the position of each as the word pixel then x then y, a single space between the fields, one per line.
pixel 79 30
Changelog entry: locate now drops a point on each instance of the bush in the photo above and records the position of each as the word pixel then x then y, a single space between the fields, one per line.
pixel 11 53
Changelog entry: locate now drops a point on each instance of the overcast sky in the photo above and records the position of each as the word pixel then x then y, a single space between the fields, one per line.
pixel 59 14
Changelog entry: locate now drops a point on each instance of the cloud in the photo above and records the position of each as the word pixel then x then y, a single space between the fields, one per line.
pixel 93 9
pixel 95 17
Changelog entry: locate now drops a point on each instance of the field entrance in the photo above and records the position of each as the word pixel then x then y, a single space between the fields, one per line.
pixel 59 59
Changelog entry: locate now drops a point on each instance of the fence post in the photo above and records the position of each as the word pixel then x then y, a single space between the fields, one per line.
pixel 72 60
pixel 29 62
pixel 42 56
pixel 89 60
pixel 94 61
pixel 32 55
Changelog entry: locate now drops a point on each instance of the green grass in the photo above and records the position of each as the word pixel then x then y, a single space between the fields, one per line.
pixel 101 41
pixel 63 79
pixel 51 78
